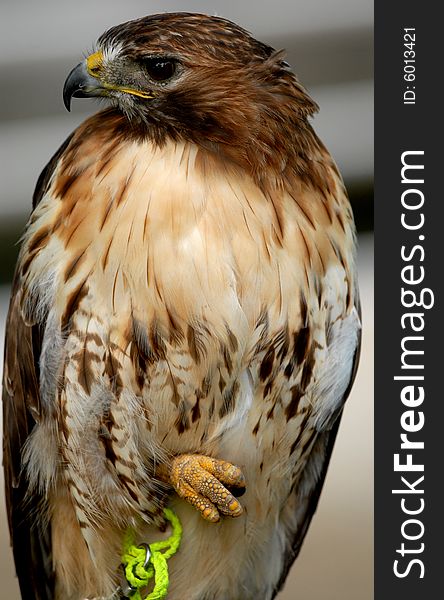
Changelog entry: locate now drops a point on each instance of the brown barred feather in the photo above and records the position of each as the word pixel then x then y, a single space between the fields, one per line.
pixel 186 286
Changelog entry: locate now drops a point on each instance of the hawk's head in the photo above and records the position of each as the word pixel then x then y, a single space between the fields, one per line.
pixel 191 76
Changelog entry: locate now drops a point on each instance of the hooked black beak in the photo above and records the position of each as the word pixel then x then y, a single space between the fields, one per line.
pixel 80 84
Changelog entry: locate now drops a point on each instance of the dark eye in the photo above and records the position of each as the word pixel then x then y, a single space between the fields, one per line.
pixel 160 69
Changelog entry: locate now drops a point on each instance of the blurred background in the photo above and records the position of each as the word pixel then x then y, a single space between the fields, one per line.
pixel 329 44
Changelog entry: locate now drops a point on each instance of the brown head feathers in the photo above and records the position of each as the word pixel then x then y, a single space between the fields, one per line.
pixel 220 88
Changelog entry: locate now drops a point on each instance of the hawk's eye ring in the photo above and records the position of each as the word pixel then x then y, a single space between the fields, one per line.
pixel 160 69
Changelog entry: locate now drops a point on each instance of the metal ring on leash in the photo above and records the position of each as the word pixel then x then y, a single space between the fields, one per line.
pixel 127 590
pixel 148 554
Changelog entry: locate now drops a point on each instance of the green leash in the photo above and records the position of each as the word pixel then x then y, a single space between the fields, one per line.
pixel 142 563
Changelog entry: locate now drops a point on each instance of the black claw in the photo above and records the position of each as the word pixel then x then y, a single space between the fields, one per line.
pixel 237 491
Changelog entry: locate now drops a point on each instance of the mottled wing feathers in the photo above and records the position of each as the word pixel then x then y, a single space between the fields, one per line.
pixel 21 410
pixel 306 495
pixel 31 545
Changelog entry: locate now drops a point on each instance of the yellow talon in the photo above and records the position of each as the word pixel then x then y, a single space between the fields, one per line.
pixel 200 481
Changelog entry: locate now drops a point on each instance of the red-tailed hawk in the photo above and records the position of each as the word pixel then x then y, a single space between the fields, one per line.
pixel 184 322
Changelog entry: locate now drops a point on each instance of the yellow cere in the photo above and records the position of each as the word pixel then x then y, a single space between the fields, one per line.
pixel 94 63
